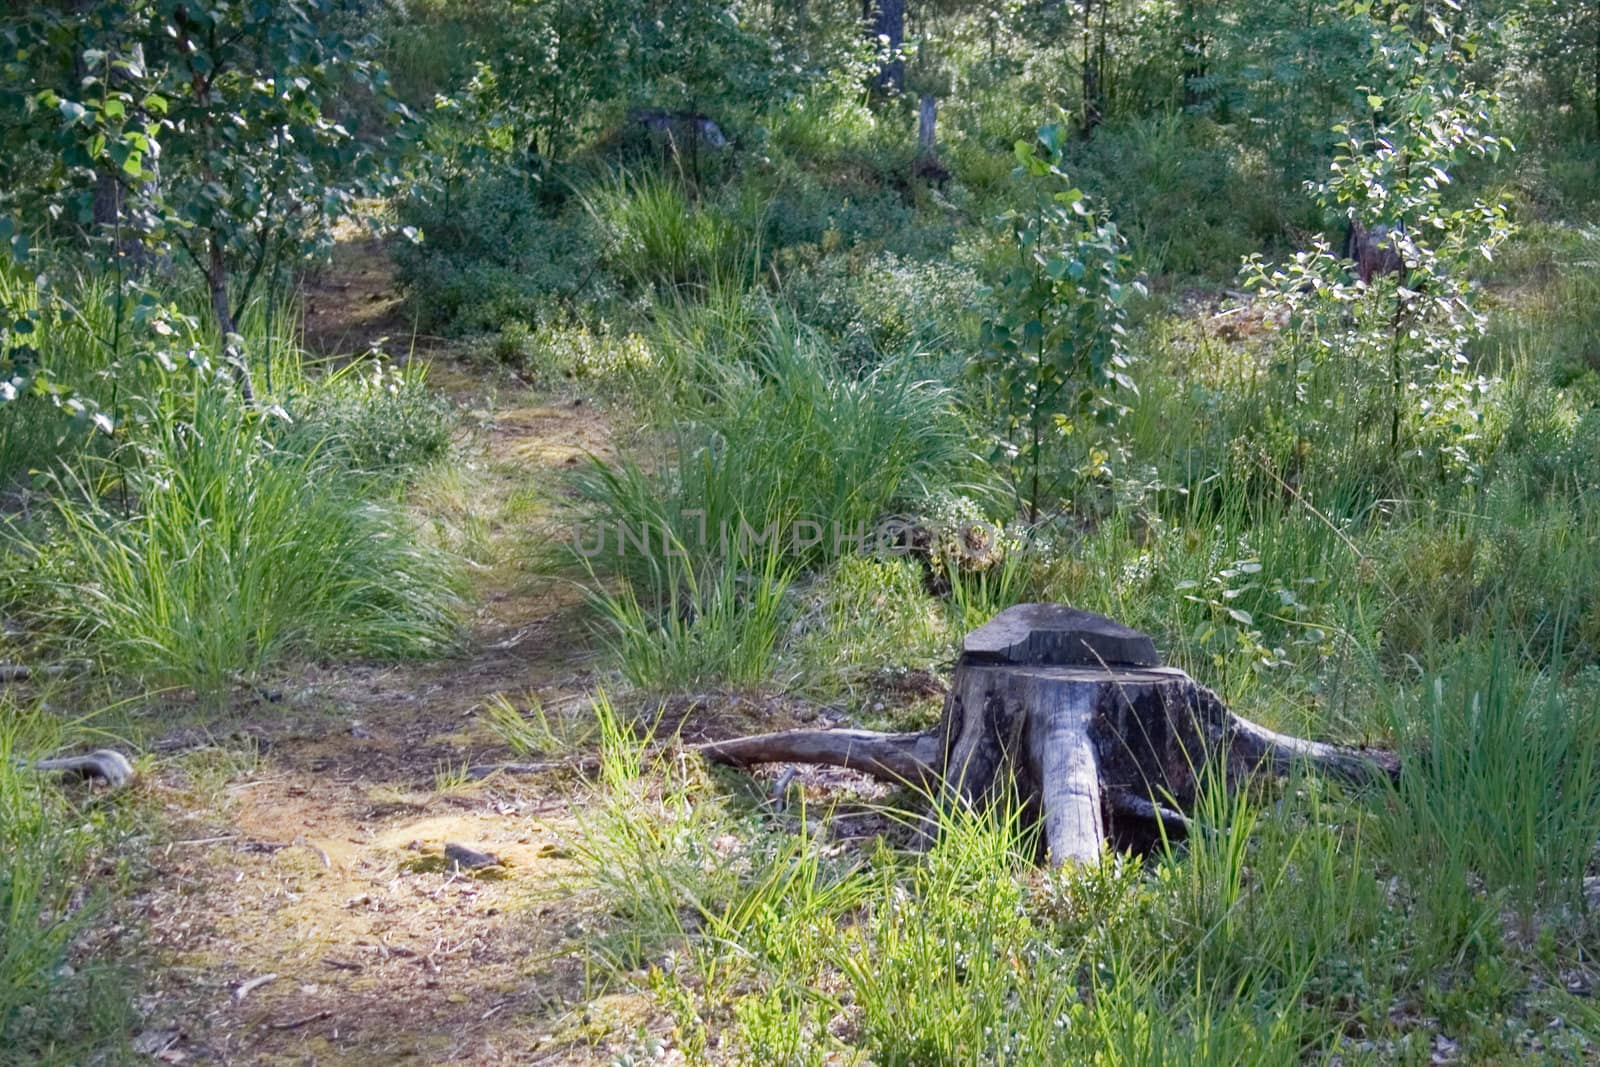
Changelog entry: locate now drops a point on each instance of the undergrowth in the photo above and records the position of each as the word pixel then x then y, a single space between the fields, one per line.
pixel 59 1004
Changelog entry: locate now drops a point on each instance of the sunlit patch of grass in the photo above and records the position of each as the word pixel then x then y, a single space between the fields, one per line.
pixel 697 629
pixel 450 777
pixel 867 615
pixel 770 939
pixel 536 731
pixel 219 552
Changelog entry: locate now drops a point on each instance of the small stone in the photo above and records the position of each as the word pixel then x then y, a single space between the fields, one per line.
pixel 470 858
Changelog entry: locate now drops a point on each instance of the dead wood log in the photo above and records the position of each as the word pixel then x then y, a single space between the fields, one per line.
pixel 1074 716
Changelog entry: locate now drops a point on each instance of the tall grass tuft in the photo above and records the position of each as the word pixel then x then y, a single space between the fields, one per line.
pixel 787 447
pixel 103 351
pixel 210 551
pixel 722 624
pixel 666 240
pixel 1500 806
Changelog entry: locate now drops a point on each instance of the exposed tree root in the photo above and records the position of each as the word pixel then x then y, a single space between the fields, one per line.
pixel 1039 709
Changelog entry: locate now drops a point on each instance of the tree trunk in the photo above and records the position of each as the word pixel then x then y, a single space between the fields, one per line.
pixel 1090 73
pixel 1072 715
pixel 217 283
pixel 886 22
pixel 927 118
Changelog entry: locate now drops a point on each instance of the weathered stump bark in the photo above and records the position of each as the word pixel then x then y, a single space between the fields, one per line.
pixel 1073 716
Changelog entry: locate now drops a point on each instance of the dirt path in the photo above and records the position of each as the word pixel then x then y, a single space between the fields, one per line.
pixel 304 911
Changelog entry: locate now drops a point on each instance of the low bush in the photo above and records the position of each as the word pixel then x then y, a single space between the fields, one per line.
pixel 374 419
pixel 883 306
pixel 601 357
pixel 98 356
pixel 1190 201
pixel 852 214
pixel 491 251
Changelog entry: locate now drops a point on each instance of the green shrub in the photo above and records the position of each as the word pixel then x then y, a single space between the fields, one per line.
pixel 1189 200
pixel 493 251
pixel 850 212
pixel 599 356
pixel 100 367
pixel 375 419
pixel 883 306
pixel 209 551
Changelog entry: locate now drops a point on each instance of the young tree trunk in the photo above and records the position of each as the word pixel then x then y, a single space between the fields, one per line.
pixel 927 164
pixel 1073 716
pixel 217 283
pixel 927 117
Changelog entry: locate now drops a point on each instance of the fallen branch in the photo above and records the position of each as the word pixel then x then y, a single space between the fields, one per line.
pixel 246 988
pixel 581 765
pixel 21 672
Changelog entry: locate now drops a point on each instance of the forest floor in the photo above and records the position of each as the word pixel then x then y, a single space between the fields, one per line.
pixel 304 911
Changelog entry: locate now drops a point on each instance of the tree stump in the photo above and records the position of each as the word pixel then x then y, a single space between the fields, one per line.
pixel 1075 717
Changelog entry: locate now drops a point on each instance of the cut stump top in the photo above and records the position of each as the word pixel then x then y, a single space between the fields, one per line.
pixel 1046 635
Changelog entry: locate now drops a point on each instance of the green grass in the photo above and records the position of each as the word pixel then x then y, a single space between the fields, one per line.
pixel 1501 802
pixel 663 240
pixel 966 953
pixel 210 552
pixel 57 1006
pixel 790 330
pixel 865 617
pixel 1444 608
pixel 191 540
pixel 781 444
pixel 108 361
pixel 697 629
